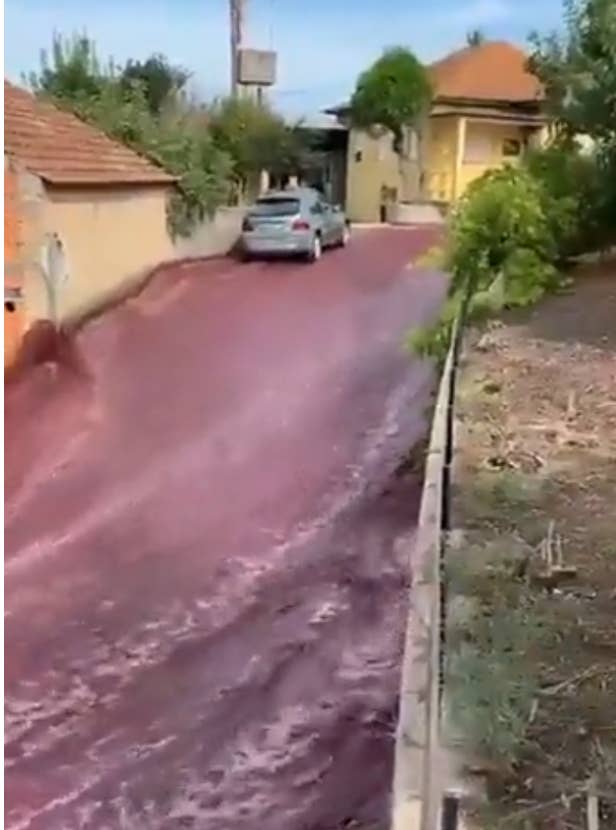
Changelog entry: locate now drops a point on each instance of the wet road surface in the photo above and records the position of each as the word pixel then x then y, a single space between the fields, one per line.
pixel 205 549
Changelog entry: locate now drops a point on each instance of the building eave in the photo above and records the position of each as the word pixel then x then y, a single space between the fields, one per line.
pixel 80 180
pixel 489 113
pixel 521 111
pixel 533 105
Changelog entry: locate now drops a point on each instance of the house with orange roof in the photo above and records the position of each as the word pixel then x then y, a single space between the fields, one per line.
pixel 486 110
pixel 84 216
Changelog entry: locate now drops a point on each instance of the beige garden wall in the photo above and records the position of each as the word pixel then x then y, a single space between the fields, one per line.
pixel 212 237
pixel 113 236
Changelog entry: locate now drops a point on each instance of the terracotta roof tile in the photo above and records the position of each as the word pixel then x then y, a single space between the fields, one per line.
pixel 493 71
pixel 62 149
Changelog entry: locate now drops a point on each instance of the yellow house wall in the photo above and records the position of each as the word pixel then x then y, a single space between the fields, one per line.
pixel 442 182
pixel 112 236
pixel 378 166
pixel 441 158
pixel 493 135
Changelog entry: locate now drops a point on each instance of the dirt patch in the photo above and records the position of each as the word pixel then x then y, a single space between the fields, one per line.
pixel 532 574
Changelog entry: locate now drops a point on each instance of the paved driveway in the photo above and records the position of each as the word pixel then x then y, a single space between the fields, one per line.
pixel 206 575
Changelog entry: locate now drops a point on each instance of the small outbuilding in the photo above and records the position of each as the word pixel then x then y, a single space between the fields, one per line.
pixel 85 216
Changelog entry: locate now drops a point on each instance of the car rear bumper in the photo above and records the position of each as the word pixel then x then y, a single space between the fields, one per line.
pixel 298 243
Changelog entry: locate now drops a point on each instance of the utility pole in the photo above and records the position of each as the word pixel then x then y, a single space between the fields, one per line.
pixel 236 10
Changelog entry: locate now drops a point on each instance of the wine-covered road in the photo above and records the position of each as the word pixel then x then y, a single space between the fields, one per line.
pixel 206 548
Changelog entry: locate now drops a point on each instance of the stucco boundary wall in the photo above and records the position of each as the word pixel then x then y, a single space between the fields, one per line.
pixel 421 764
pixel 212 237
pixel 416 213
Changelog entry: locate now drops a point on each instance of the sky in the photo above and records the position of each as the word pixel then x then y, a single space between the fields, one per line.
pixel 322 45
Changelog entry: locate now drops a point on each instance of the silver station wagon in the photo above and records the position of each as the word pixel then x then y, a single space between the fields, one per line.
pixel 297 222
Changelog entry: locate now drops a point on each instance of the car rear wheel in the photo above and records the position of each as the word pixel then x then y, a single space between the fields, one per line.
pixel 345 237
pixel 316 249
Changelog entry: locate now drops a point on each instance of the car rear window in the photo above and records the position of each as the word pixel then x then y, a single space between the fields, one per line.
pixel 276 207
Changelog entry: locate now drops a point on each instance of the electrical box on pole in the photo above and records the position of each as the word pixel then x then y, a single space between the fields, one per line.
pixel 252 70
pixel 256 67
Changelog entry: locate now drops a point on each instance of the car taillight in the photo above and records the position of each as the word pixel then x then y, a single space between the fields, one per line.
pixel 247 225
pixel 300 225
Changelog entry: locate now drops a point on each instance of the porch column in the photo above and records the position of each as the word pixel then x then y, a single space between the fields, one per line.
pixel 460 145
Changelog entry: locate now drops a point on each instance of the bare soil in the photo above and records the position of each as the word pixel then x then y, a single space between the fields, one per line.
pixel 536 457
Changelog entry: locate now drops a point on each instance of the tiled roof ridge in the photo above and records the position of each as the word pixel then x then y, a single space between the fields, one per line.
pixel 494 70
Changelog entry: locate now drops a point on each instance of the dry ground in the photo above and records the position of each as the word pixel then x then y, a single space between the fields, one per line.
pixel 532 648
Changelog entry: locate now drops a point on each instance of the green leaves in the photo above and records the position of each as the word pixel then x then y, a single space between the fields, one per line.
pixel 392 93
pixel 572 193
pixel 513 226
pixel 73 73
pixel 142 106
pixel 161 81
pixel 503 244
pixel 499 220
pixel 176 139
pixel 578 69
pixel 255 138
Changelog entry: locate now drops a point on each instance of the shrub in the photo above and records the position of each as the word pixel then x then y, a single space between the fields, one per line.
pixel 214 153
pixel 572 195
pixel 502 249
pixel 433 341
pixel 501 214
pixel 176 139
pixel 255 138
pixel 142 106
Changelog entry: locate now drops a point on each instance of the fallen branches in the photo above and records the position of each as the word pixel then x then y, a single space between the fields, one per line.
pixel 593 671
pixel 551 551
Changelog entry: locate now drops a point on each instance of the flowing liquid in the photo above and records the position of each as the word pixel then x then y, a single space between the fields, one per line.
pixel 207 550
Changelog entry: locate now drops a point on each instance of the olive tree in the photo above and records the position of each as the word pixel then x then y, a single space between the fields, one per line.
pixel 394 93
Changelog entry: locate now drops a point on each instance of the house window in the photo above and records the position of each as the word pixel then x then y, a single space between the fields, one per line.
pixel 478 148
pixel 511 147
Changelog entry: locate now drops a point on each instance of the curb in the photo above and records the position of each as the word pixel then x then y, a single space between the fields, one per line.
pixel 420 765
